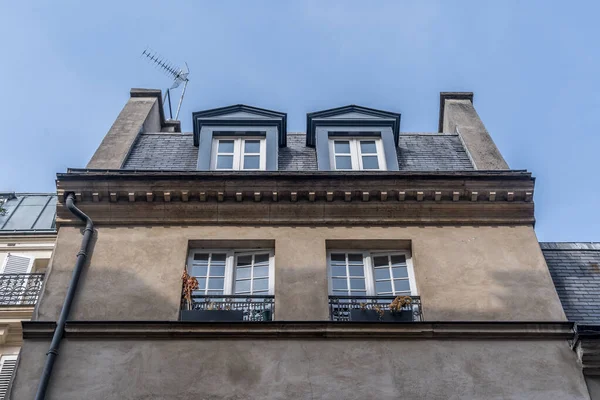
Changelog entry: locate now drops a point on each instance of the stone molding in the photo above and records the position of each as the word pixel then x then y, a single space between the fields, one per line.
pixel 309 329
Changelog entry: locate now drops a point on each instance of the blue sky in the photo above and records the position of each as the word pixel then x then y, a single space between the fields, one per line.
pixel 67 68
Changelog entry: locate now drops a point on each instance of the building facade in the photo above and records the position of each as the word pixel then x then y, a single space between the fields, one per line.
pixel 27 236
pixel 351 261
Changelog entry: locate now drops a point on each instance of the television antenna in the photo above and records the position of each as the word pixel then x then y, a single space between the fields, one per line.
pixel 179 75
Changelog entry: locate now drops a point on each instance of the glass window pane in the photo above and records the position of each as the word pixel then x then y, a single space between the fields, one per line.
pixel 343 162
pixel 261 258
pixel 214 292
pixel 218 258
pixel 356 270
pixel 340 293
pixel 244 260
pixel 370 162
pixel 382 273
pixel 242 286
pixel 242 273
pixel 261 284
pixel 216 270
pixel 357 284
pixel 340 257
pixel 251 162
pixel 339 284
pixel 337 270
pixel 201 283
pixel 216 283
pixel 342 146
pixel 261 272
pixel 402 285
pixel 368 147
pixel 199 271
pixel 225 146
pixel 224 162
pixel 355 259
pixel 380 261
pixel 400 272
pixel 361 293
pixel 398 259
pixel 252 146
pixel 383 287
pixel 201 257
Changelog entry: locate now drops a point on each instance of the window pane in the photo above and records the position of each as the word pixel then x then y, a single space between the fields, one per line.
pixel 261 284
pixel 356 270
pixel 358 293
pixel 201 257
pixel 340 293
pixel 382 273
pixel 355 259
pixel 383 287
pixel 339 284
pixel 402 285
pixel 251 162
pixel 242 273
pixel 261 272
pixel 399 259
pixel 368 147
pixel 337 270
pixel 357 284
pixel 380 261
pixel 214 292
pixel 218 258
pixel 216 270
pixel 340 257
pixel 343 162
pixel 225 146
pixel 224 162
pixel 342 147
pixel 370 162
pixel 244 261
pixel 201 283
pixel 252 146
pixel 199 271
pixel 261 258
pixel 400 272
pixel 216 283
pixel 242 286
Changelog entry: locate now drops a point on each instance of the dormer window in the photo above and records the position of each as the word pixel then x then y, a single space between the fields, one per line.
pixel 239 153
pixel 357 154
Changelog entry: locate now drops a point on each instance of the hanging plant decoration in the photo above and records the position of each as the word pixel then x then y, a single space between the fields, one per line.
pixel 399 303
pixel 190 284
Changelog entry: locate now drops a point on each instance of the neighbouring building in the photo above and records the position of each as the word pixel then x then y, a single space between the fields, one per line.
pixel 27 236
pixel 350 261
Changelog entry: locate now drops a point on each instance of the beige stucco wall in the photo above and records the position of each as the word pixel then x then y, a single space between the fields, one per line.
pixel 304 369
pixel 462 273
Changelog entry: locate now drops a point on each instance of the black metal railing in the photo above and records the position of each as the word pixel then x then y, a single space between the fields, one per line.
pixel 228 308
pixel 20 289
pixel 373 308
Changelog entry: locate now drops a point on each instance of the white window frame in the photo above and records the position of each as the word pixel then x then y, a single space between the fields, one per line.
pixel 368 269
pixel 230 261
pixel 355 153
pixel 3 359
pixel 238 153
pixel 5 262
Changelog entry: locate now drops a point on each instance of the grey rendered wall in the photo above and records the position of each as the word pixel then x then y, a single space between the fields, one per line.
pixel 387 137
pixel 206 138
pixel 304 369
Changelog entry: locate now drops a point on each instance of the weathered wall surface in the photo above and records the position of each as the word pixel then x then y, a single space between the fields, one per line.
pixel 310 369
pixel 462 273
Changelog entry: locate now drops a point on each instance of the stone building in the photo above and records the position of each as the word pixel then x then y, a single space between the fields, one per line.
pixel 27 236
pixel 351 261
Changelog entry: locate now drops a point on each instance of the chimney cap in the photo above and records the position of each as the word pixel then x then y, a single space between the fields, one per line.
pixel 451 96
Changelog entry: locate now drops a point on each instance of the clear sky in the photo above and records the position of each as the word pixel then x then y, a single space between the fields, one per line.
pixel 66 68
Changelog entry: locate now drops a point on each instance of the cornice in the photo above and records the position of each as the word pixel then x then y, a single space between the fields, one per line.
pixel 304 329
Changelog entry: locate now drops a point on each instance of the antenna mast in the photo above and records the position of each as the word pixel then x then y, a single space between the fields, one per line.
pixel 179 75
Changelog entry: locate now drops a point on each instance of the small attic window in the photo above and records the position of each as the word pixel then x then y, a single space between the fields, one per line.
pixel 245 153
pixel 357 154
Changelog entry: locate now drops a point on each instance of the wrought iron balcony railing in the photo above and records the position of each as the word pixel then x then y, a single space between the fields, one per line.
pixel 228 308
pixel 373 308
pixel 20 289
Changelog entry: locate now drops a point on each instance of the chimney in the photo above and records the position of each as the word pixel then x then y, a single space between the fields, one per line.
pixel 142 113
pixel 457 115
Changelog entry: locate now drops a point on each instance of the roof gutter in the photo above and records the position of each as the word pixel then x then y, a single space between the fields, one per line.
pixel 66 308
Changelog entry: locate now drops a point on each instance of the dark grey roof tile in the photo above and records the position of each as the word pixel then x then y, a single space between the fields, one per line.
pixel 432 152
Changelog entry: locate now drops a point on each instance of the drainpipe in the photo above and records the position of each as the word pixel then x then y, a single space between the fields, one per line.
pixel 64 313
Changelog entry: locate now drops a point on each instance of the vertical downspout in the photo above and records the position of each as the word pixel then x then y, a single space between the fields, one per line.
pixel 64 313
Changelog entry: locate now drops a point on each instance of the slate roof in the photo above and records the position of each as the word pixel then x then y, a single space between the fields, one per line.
pixel 416 152
pixel 28 213
pixel 575 270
